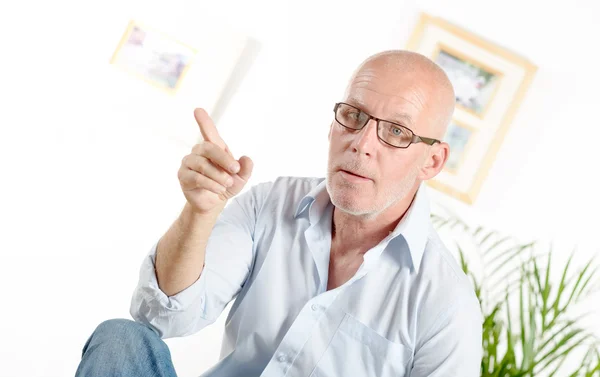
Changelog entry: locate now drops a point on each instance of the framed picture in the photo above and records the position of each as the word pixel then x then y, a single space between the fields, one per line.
pixel 458 137
pixel 474 83
pixel 489 83
pixel 153 57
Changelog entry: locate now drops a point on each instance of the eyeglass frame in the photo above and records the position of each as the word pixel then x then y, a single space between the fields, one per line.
pixel 414 140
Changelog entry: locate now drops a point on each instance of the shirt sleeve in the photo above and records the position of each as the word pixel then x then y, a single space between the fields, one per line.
pixel 453 346
pixel 229 257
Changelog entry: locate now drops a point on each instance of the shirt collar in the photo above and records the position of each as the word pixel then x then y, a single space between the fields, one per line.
pixel 314 203
pixel 413 228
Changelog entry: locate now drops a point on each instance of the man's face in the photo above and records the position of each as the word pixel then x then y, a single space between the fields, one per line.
pixel 389 174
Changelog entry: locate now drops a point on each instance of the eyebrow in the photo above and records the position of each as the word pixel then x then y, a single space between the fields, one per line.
pixel 405 119
pixel 400 118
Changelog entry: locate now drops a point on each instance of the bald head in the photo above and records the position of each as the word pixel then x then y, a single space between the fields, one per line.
pixel 404 88
pixel 432 91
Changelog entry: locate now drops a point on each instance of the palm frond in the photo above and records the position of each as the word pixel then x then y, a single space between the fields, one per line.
pixel 538 334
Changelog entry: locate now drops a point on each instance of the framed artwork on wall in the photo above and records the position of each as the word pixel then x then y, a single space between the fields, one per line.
pixel 489 83
pixel 459 137
pixel 153 57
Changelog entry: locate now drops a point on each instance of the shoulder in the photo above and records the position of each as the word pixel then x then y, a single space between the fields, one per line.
pixel 439 261
pixel 283 189
pixel 296 185
pixel 453 298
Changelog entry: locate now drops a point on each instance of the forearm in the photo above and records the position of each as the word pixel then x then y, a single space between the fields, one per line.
pixel 181 251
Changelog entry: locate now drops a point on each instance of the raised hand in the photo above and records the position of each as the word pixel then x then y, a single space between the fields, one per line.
pixel 210 175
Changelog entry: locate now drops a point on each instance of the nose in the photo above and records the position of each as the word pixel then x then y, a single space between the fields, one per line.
pixel 366 139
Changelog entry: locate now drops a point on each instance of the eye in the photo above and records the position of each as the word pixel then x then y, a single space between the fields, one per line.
pixel 397 131
pixel 353 114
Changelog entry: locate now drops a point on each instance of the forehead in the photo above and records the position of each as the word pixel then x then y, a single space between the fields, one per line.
pixel 396 96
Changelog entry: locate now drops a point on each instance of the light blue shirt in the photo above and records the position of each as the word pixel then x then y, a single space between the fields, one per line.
pixel 408 311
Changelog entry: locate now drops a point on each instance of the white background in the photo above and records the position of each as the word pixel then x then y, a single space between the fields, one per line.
pixel 89 155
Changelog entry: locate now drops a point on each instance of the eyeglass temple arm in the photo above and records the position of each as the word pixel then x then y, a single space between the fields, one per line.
pixel 425 140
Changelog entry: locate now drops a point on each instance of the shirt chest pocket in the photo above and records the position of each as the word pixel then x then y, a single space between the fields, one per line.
pixel 357 350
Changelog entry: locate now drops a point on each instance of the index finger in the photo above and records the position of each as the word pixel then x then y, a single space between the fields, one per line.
pixel 207 128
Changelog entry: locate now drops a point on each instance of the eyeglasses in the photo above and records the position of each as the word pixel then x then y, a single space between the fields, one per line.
pixel 390 133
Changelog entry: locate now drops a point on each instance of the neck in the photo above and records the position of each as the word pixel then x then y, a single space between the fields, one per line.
pixel 358 234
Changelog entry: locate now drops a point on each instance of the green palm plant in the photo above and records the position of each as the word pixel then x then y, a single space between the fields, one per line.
pixel 530 327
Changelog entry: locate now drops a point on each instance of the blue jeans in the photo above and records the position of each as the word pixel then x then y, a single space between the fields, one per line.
pixel 124 348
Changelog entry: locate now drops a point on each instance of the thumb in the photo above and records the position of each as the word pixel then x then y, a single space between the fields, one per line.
pixel 246 166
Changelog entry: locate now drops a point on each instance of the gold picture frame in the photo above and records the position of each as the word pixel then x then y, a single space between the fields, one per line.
pixel 153 57
pixel 490 83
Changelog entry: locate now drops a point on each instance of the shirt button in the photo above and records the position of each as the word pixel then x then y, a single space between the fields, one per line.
pixel 281 358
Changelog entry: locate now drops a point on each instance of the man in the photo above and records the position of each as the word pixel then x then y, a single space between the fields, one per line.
pixel 342 276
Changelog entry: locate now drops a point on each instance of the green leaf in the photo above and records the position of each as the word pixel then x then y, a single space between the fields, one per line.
pixel 498 283
pixel 561 287
pixel 463 262
pixel 559 350
pixel 559 310
pixel 504 258
pixel 546 290
pixel 525 359
pixel 552 336
pixel 496 244
pixel 537 334
pixel 487 237
pixel 592 274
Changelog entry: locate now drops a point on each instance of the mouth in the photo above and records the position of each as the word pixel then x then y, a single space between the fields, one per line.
pixel 351 174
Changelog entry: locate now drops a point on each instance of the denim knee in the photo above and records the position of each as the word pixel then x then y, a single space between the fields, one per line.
pixel 122 347
pixel 126 333
pixel 120 326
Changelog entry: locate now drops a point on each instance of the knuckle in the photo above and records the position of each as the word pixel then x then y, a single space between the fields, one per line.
pixel 201 166
pixel 203 148
pixel 209 147
pixel 197 148
pixel 225 177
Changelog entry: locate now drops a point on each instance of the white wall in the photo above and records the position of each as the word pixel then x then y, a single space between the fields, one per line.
pixel 89 155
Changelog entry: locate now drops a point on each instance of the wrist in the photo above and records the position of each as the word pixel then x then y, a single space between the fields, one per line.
pixel 190 216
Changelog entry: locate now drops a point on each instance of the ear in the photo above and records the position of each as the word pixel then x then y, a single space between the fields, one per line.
pixel 330 130
pixel 437 156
